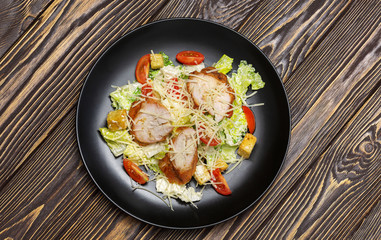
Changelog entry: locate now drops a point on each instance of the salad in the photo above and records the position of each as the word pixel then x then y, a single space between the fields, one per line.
pixel 183 121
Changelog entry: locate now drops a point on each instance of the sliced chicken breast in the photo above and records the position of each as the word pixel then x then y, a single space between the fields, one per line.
pixel 211 91
pixel 179 164
pixel 150 122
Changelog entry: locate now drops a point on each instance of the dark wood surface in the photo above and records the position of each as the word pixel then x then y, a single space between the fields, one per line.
pixel 328 54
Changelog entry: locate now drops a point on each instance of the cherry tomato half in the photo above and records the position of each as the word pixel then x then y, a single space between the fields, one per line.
pixel 146 90
pixel 229 114
pixel 212 143
pixel 174 87
pixel 142 69
pixel 219 182
pixel 206 139
pixel 135 172
pixel 249 118
pixel 190 57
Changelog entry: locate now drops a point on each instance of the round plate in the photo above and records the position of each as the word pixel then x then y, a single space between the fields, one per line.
pixel 117 66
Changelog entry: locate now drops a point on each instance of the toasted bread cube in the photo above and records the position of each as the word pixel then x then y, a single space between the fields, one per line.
pixel 117 120
pixel 221 164
pixel 157 61
pixel 201 174
pixel 247 145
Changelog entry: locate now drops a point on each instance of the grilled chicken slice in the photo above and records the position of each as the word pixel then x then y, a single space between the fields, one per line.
pixel 179 164
pixel 150 122
pixel 211 91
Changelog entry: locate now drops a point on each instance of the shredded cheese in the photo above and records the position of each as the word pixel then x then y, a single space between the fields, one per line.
pixel 170 86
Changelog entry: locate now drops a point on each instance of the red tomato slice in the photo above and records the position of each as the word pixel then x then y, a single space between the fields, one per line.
pixel 206 139
pixel 135 172
pixel 219 182
pixel 249 118
pixel 175 87
pixel 229 114
pixel 190 57
pixel 146 90
pixel 212 143
pixel 142 69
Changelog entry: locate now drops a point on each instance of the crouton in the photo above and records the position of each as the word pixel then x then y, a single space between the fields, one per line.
pixel 221 164
pixel 201 174
pixel 157 61
pixel 247 146
pixel 117 120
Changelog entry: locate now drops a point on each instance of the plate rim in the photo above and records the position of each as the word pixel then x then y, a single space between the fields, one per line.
pixel 119 39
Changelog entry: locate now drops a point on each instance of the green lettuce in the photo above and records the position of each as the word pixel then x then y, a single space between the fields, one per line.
pixel 146 155
pixel 139 154
pixel 152 73
pixel 244 77
pixel 154 166
pixel 224 152
pixel 224 65
pixel 124 96
pixel 117 141
pixel 166 59
pixel 235 127
pixel 228 153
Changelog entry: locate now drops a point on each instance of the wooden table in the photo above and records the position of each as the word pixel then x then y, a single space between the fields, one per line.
pixel 327 53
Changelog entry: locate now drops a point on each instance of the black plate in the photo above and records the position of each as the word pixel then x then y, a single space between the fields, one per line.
pixel 117 65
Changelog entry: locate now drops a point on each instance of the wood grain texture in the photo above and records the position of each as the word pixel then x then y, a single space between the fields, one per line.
pixel 287 32
pixel 46 193
pixel 54 57
pixel 15 18
pixel 37 134
pixel 227 12
pixel 348 91
pixel 344 183
pixel 371 226
pixel 52 196
pixel 365 35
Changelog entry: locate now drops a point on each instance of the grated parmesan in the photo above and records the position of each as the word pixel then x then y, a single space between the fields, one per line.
pixel 169 86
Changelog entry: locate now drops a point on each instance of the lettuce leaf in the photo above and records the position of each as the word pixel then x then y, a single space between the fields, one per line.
pixel 141 154
pixel 186 194
pixel 224 65
pixel 166 59
pixel 223 152
pixel 236 127
pixel 124 96
pixel 228 153
pixel 116 140
pixel 244 77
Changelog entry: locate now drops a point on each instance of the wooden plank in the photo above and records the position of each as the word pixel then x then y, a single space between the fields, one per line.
pixel 312 83
pixel 287 32
pixel 41 228
pixel 356 67
pixel 371 227
pixel 21 225
pixel 345 183
pixel 360 68
pixel 52 196
pixel 79 220
pixel 15 18
pixel 227 12
pixel 314 148
pixel 356 77
pixel 52 61
pixel 271 31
